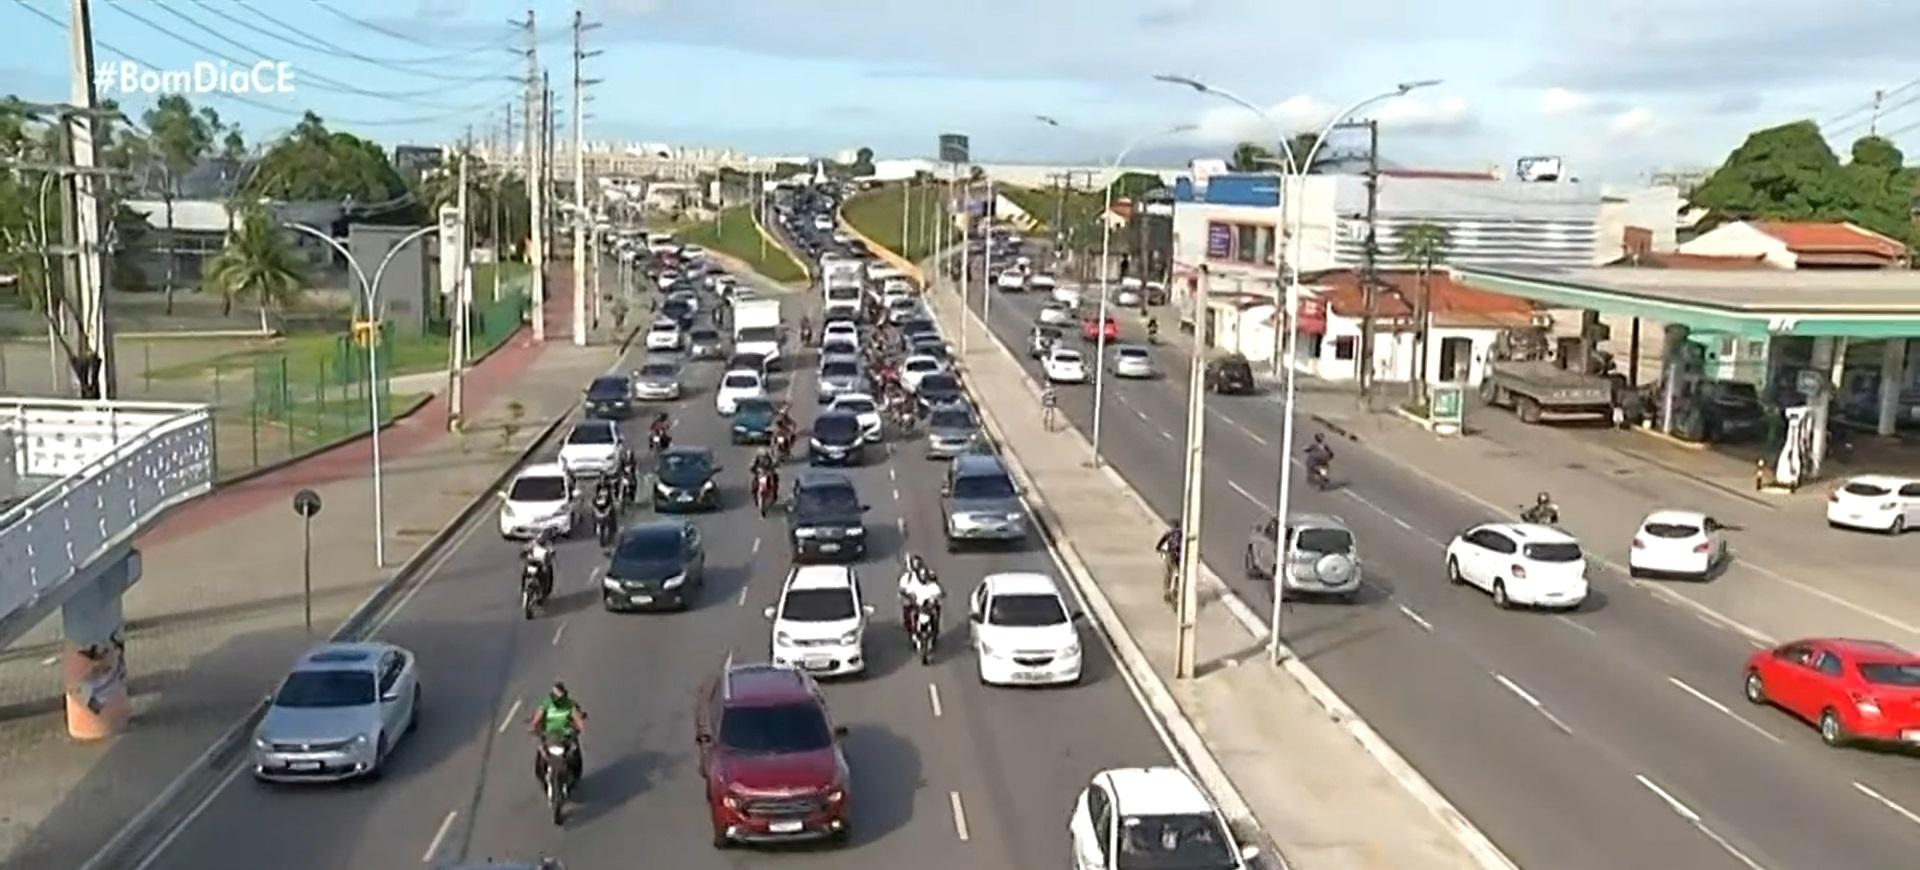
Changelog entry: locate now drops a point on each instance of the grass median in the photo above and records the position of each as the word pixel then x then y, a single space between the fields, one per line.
pixel 878 214
pixel 734 233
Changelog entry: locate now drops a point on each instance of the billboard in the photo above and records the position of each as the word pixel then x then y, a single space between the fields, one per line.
pixel 954 148
pixel 1539 168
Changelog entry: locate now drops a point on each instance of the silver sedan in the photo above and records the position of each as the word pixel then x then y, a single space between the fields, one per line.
pixel 657 381
pixel 1133 361
pixel 338 714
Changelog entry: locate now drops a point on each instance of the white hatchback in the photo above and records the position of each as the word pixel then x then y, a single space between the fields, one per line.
pixel 1876 502
pixel 1520 565
pixel 844 330
pixel 736 385
pixel 541 498
pixel 1676 543
pixel 1022 631
pixel 1133 361
pixel 1011 281
pixel 665 335
pixel 1063 366
pixel 593 448
pixel 820 624
pixel 917 367
pixel 1151 817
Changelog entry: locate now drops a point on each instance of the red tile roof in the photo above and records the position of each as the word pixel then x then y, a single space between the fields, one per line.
pixel 1809 237
pixel 1451 302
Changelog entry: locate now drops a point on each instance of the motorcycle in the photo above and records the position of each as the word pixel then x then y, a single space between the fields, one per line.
pixel 926 632
pixel 626 487
pixel 1319 476
pixel 658 441
pixel 782 446
pixel 903 416
pixel 764 492
pixel 532 588
pixel 604 525
pixel 556 776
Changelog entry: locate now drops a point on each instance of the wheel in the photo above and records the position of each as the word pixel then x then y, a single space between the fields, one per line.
pixel 1755 691
pixel 1831 732
pixel 413 716
pixel 1500 598
pixel 1898 526
pixel 1635 571
pixel 1453 572
pixel 1528 409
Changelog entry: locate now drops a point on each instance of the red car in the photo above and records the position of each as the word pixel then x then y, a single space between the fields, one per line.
pixel 771 757
pixel 1091 327
pixel 1853 690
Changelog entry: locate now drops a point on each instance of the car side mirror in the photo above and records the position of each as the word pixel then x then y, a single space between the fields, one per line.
pixel 1079 616
pixel 865 507
pixel 502 495
pixel 868 609
pixel 975 616
pixel 1249 853
pixel 768 613
pixel 839 730
pixel 719 468
pixel 389 696
pixel 946 491
pixel 703 739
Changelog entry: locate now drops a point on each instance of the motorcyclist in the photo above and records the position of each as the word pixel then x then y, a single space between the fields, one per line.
pixel 558 718
pixel 1543 511
pixel 806 331
pixel 539 553
pixel 783 429
pixel 628 476
pixel 660 432
pixel 1319 456
pixel 766 472
pixel 919 587
pixel 1153 331
pixel 603 507
pixel 763 461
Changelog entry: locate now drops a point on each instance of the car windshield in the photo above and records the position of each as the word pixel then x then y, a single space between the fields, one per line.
pixel 607 388
pixel 704 336
pixel 1132 353
pixel 541 488
pixel 1905 674
pixel 1732 392
pixel 677 467
pixel 591 435
pixel 839 293
pixel 753 413
pixel 839 370
pixel 828 499
pixel 836 427
pixel 818 605
pixel 1324 541
pixel 742 381
pixel 642 546
pixel 775 730
pixel 950 419
pixel 758 334
pixel 1671 530
pixel 659 370
pixel 1867 489
pixel 666 326
pixel 1026 611
pixel 854 406
pixel 1177 842
pixel 674 308
pixel 974 486
pixel 922 365
pixel 1067 356
pixel 937 383
pixel 325 689
pixel 843 348
pixel 1559 552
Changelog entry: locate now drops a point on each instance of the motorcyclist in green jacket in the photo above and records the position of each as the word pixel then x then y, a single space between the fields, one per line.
pixel 559 718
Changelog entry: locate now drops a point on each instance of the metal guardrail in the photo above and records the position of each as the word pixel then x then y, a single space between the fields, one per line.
pixel 118 466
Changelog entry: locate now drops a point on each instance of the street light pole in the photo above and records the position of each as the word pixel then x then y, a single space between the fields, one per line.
pixel 1187 606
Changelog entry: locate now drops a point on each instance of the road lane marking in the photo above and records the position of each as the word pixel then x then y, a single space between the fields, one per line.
pixel 430 571
pixel 506 721
pixel 1141 414
pixel 742 600
pixel 901 523
pixel 959 816
pixel 1909 815
pixel 1390 515
pixel 933 695
pixel 439 836
pixel 1575 624
pixel 1417 618
pixel 890 474
pixel 1167 435
pixel 896 495
pixel 559 633
pixel 1702 698
pixel 1824 595
pixel 1248 496
pixel 1673 803
pixel 1532 702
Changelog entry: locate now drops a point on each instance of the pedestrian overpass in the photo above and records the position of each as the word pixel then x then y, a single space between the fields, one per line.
pixel 81 480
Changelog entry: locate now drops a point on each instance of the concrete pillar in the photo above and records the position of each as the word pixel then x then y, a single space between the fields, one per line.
pixel 93 662
pixel 1893 370
pixel 1673 354
pixel 1830 356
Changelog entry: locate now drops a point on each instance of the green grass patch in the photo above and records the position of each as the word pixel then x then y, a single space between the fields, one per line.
pixel 514 276
pixel 1080 211
pixel 733 233
pixel 877 214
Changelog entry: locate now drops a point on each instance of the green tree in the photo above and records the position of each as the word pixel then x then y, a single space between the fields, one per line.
pixel 1133 185
pixel 862 161
pixel 1422 246
pixel 181 136
pixel 259 264
pixel 314 163
pixel 1251 157
pixel 1789 173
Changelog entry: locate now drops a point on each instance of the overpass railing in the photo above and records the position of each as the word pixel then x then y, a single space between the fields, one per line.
pixel 115 466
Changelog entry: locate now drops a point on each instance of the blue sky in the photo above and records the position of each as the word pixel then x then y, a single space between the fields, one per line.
pixel 1619 87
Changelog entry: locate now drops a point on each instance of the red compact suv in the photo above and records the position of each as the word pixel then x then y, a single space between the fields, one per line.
pixel 771 757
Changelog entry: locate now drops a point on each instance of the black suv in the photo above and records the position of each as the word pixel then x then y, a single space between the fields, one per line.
pixel 683 480
pixel 1230 374
pixel 836 439
pixel 610 397
pixel 825 518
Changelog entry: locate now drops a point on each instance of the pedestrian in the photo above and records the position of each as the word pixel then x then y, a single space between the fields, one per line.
pixel 1048 402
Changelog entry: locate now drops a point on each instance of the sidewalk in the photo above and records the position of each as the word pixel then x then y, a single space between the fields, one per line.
pixel 1322 786
pixel 218 613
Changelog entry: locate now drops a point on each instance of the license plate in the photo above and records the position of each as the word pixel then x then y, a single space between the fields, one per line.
pixel 829 548
pixel 785 827
pixel 303 765
pixel 640 599
pixel 1028 677
pixel 683 497
pixel 817 664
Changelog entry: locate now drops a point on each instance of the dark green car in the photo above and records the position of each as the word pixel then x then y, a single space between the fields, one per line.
pixel 753 421
pixel 683 480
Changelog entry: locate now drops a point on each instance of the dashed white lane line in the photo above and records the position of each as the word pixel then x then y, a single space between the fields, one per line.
pixel 559 633
pixel 933 696
pixel 1417 618
pixel 513 713
pixel 439 836
pixel 1693 818
pixel 1532 702
pixel 1909 815
pixel 1672 802
pixel 1141 414
pixel 1702 698
pixel 959 816
pixel 742 600
pixel 1575 625
pixel 1167 435
pixel 896 495
pixel 890 473
pixel 756 546
pixel 1248 496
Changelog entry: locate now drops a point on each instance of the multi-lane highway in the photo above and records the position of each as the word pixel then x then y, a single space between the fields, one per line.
pixel 1613 736
pixel 946 773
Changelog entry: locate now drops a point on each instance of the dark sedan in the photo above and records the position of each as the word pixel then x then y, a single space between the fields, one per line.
pixel 661 564
pixel 683 479
pixel 1230 374
pixel 938 389
pixel 610 397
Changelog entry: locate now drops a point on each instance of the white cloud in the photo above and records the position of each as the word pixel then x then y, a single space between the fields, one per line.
pixel 1227 122
pixel 1560 101
pixel 1635 123
pixel 1414 113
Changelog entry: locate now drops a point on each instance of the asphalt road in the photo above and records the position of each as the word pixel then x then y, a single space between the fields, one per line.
pixel 1614 736
pixel 946 773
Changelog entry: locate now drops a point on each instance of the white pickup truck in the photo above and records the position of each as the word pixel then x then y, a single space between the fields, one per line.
pixel 756 328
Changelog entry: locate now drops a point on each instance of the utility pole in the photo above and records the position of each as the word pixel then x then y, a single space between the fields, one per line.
pixel 499 177
pixel 462 298
pixel 580 217
pixel 536 205
pixel 93 364
pixel 1370 274
pixel 1879 100
pixel 1187 604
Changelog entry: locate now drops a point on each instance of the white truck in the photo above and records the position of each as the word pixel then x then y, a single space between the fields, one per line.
pixel 756 328
pixel 841 273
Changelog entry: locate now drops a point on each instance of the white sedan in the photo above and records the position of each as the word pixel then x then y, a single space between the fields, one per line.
pixel 1063 366
pixel 1068 296
pixel 665 335
pixel 737 385
pixel 841 330
pixel 1677 544
pixel 1876 502
pixel 1011 281
pixel 1133 361
pixel 1520 565
pixel 917 367
pixel 863 408
pixel 1056 314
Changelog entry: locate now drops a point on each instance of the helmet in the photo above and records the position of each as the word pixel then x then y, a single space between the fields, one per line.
pixel 1318 438
pixel 916 564
pixel 559 691
pixel 1543 499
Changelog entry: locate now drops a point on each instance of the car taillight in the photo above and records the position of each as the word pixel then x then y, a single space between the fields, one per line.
pixel 1639 544
pixel 1702 547
pixel 1866 704
pixel 1520 571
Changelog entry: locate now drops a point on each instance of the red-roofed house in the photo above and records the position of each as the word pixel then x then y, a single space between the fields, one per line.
pixel 1465 322
pixel 1801 245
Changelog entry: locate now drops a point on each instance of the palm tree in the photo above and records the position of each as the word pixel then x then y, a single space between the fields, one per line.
pixel 259 265
pixel 1423 246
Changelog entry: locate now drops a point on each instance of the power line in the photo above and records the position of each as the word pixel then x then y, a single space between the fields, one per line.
pixel 1868 106
pixel 316 44
pixel 403 37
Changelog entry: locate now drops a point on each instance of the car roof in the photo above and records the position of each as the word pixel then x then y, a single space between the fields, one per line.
pixel 1316 520
pixel 1155 791
pixel 1534 533
pixel 1064 351
pixel 976 464
pixel 542 469
pixel 820 577
pixel 850 397
pixel 1863 649
pixel 749 372
pixel 1021 583
pixel 815 477
pixel 342 657
pixel 1676 518
pixel 1883 480
pixel 655 529
pixel 764 684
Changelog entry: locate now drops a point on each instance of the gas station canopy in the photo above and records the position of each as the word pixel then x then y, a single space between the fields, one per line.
pixel 1752 304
